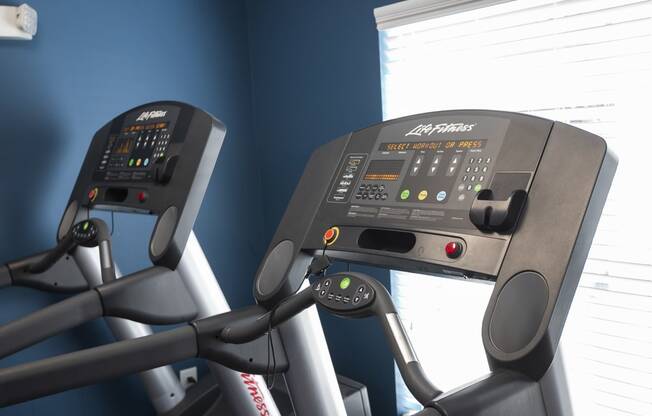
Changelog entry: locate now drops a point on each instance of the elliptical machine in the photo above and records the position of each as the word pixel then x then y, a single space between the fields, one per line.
pixel 464 194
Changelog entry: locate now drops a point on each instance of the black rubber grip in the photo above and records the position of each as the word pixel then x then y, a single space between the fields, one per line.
pixel 242 332
pixel 53 375
pixel 52 256
pixel 49 321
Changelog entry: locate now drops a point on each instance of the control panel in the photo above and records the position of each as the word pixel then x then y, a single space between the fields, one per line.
pixel 134 149
pixel 84 232
pixel 154 159
pixel 426 170
pixel 406 188
pixel 343 292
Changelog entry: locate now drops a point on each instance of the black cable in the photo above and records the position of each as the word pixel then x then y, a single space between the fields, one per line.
pixel 317 267
pixel 112 222
pixel 270 349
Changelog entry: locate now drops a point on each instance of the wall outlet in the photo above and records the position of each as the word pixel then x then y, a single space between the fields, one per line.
pixel 188 377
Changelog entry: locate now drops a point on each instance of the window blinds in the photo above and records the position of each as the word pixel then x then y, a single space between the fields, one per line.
pixel 582 62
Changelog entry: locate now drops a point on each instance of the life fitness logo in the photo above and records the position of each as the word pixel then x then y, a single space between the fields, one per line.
pixel 429 129
pixel 146 115
pixel 257 396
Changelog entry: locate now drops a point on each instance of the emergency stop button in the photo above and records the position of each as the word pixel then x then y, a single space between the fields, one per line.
pixel 330 236
pixel 454 249
pixel 92 194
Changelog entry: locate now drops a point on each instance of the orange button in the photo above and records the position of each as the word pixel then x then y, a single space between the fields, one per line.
pixel 331 235
pixel 92 194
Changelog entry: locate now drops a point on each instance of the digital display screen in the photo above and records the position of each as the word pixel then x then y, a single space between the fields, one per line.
pixel 384 170
pixel 123 147
pixel 432 145
pixel 142 127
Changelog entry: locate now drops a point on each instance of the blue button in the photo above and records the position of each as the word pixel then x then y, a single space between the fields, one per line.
pixel 146 162
pixel 441 195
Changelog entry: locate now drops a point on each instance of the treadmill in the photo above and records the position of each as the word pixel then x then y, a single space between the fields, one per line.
pixel 465 194
pixel 155 159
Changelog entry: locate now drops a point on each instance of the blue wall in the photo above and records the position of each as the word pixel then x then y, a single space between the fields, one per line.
pixel 89 62
pixel 316 76
pixel 285 76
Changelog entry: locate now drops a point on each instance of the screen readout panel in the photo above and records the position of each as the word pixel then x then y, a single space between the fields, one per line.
pixel 422 170
pixel 134 149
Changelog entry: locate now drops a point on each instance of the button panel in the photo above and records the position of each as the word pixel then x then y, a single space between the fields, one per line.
pixel 84 231
pixel 368 191
pixel 475 177
pixel 347 177
pixel 133 150
pixel 343 292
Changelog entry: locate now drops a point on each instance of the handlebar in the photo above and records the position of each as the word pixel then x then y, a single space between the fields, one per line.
pixel 46 262
pixel 49 321
pixel 88 233
pixel 369 298
pixel 243 332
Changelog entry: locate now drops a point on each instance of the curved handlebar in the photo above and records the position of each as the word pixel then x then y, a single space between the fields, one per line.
pixel 249 331
pixel 65 245
pixel 49 321
pixel 88 233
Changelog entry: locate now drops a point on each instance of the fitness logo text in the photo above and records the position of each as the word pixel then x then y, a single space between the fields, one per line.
pixel 429 129
pixel 256 395
pixel 146 115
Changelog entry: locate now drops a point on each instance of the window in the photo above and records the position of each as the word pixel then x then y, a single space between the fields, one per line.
pixel 582 62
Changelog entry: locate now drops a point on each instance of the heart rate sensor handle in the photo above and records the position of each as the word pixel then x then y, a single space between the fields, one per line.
pixel 88 233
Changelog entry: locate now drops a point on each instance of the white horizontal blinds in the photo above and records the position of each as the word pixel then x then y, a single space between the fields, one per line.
pixel 443 318
pixel 583 62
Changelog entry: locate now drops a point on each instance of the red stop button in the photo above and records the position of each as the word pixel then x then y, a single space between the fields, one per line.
pixel 92 194
pixel 142 197
pixel 331 235
pixel 453 249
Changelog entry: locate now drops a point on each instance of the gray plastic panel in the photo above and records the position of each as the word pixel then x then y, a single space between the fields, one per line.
pixel 553 239
pixel 296 222
pixel 522 302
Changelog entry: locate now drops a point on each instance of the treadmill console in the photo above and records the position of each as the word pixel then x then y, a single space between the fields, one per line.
pixel 134 149
pixel 427 165
pixel 155 159
pixel 405 189
pixel 491 195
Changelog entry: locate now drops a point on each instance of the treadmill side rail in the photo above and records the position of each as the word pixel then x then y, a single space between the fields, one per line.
pixel 162 385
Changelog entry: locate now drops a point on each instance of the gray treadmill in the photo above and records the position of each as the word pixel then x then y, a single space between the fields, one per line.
pixel 464 194
pixel 155 159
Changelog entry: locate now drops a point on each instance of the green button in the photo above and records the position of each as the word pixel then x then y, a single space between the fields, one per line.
pixel 405 194
pixel 344 283
pixel 131 162
pixel 85 226
pixel 477 188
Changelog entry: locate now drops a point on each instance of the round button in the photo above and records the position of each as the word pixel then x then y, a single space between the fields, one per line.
pixel 453 249
pixel 422 195
pixel 330 236
pixel 92 194
pixel 345 282
pixel 142 196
